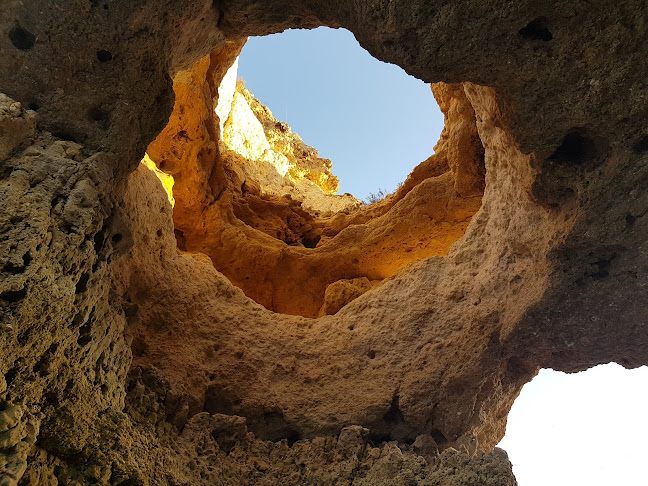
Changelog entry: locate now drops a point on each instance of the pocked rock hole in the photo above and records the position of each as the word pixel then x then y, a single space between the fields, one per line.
pixel 249 193
pixel 589 426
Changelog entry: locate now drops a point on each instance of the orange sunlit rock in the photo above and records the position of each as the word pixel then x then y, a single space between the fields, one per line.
pixel 165 179
pixel 259 202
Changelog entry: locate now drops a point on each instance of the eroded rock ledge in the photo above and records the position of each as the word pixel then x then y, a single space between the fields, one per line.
pixel 549 272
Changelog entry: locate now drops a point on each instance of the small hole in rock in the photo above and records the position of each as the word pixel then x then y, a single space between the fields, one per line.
pixel 117 237
pixel 180 239
pixel 11 375
pixel 630 220
pixel 104 56
pixel 84 340
pixel 82 284
pixel 78 319
pixel 22 39
pixel 537 30
pixel 394 414
pixel 52 399
pixel 70 136
pixel 98 114
pixel 13 269
pixel 371 354
pixel 99 239
pixel 33 106
pixel 575 148
pixel 13 295
pixel 311 242
pixel 273 426
pixel 43 364
pixel 641 146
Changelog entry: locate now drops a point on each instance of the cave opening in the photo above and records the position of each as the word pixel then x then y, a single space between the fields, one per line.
pixel 374 121
pixel 589 426
pixel 250 194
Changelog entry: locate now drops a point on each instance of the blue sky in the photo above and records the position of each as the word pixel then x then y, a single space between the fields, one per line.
pixel 375 122
pixel 588 428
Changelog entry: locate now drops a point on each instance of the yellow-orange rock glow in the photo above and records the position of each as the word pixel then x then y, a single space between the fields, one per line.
pixel 165 179
pixel 260 203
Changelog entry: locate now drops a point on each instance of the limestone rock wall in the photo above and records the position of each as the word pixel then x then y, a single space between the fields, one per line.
pixel 71 414
pixel 549 273
pixel 64 354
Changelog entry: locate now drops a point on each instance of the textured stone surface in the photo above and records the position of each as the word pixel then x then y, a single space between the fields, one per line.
pixel 340 293
pixel 17 126
pixel 550 271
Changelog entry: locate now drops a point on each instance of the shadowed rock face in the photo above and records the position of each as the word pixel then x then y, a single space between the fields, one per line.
pixel 548 273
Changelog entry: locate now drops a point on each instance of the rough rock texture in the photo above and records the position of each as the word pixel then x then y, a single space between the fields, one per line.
pixel 16 126
pixel 285 391
pixel 340 293
pixel 550 271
